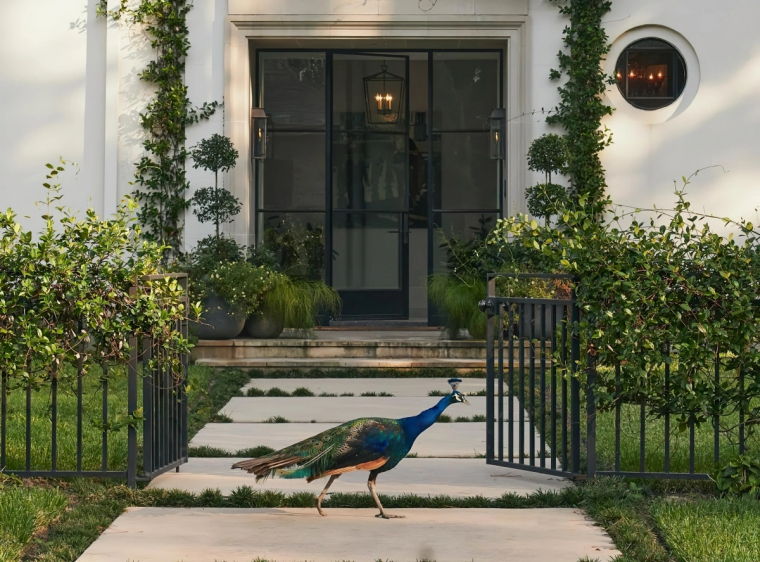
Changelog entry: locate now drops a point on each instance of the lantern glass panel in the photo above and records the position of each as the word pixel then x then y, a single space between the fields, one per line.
pixel 498 136
pixel 259 133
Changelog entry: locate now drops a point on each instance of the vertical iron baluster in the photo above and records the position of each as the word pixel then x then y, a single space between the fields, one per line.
pixel 490 376
pixel 741 412
pixel 618 407
pixel 80 414
pixel 716 416
pixel 147 381
pixel 29 421
pixel 642 435
pixel 500 399
pixel 667 409
pixel 553 375
pixel 131 409
pixel 184 375
pixel 532 390
pixel 511 382
pixel 565 318
pixel 521 383
pixel 104 444
pixel 691 446
pixel 54 421
pixel 3 418
pixel 590 416
pixel 542 384
pixel 575 389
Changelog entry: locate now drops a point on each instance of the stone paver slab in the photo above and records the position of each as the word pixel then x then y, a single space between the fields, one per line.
pixel 397 387
pixel 424 477
pixel 288 535
pixel 441 440
pixel 343 409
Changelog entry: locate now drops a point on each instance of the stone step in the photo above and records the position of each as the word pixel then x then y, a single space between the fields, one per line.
pixel 346 347
pixel 151 534
pixel 422 477
pixel 273 364
pixel 443 440
pixel 395 386
pixel 343 409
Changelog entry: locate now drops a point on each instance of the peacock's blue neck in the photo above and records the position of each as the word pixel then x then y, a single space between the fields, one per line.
pixel 415 425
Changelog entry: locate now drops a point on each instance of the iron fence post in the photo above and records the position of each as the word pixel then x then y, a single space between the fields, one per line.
pixel 575 388
pixel 490 375
pixel 590 417
pixel 131 409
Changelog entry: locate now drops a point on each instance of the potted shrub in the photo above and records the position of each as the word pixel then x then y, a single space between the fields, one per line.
pixel 293 299
pixel 226 286
pixel 456 293
pixel 229 292
pixel 548 154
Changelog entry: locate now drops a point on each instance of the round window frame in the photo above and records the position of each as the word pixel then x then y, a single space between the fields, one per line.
pixel 666 101
pixel 615 99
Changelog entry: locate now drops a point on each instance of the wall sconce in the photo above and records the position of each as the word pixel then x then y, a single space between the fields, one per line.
pixel 258 133
pixel 498 123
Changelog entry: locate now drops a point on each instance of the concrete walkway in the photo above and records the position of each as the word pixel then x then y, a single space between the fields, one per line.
pixel 290 535
pixel 397 387
pixel 343 409
pixel 422 477
pixel 441 440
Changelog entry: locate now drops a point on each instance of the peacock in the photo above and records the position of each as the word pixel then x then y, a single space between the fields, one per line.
pixel 373 444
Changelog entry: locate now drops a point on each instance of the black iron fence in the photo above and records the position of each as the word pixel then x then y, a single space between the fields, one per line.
pixel 80 432
pixel 551 422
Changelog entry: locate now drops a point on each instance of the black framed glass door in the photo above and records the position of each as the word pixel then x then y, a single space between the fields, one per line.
pixel 375 159
pixel 369 168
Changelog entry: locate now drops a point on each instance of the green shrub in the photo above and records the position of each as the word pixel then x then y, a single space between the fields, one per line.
pixel 302 391
pixel 739 476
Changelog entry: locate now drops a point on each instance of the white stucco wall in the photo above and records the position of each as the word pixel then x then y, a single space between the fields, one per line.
pixel 52 90
pixel 69 88
pixel 719 127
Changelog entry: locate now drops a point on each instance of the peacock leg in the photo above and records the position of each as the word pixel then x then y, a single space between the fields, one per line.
pixel 371 486
pixel 332 479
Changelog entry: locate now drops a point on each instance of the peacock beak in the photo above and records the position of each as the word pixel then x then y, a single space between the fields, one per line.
pixel 464 401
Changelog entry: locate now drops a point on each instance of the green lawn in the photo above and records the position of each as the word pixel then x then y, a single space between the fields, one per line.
pixel 92 424
pixel 23 511
pixel 710 530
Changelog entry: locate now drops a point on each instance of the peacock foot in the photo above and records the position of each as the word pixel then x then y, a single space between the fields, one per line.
pixel 386 516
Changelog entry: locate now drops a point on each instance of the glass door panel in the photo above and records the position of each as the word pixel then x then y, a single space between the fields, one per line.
pixel 370 184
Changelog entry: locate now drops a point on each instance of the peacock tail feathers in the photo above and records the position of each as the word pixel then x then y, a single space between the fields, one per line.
pixel 354 445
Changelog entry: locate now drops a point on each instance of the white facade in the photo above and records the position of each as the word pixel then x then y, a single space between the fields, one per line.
pixel 69 88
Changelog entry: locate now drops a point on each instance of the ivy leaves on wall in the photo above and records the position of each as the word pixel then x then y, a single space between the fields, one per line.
pixel 581 109
pixel 160 174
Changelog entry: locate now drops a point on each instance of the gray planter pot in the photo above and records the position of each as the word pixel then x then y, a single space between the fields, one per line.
pixel 218 322
pixel 264 326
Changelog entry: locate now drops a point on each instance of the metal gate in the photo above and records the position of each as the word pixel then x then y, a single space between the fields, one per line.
pixel 532 358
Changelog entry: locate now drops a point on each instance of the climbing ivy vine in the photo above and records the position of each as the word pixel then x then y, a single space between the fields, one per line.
pixel 581 109
pixel 160 174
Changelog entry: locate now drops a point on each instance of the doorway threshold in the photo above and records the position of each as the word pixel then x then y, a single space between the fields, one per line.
pixel 379 325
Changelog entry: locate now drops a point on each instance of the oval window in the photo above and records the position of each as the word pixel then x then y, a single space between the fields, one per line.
pixel 650 74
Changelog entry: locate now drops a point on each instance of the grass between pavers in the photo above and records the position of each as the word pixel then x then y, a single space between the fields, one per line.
pixel 625 510
pixel 362 373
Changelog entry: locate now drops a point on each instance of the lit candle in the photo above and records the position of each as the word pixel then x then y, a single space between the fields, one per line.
pixel 619 75
pixel 659 74
pixel 651 76
pixel 261 134
pixel 379 100
pixel 496 136
pixel 632 74
pixel 389 99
